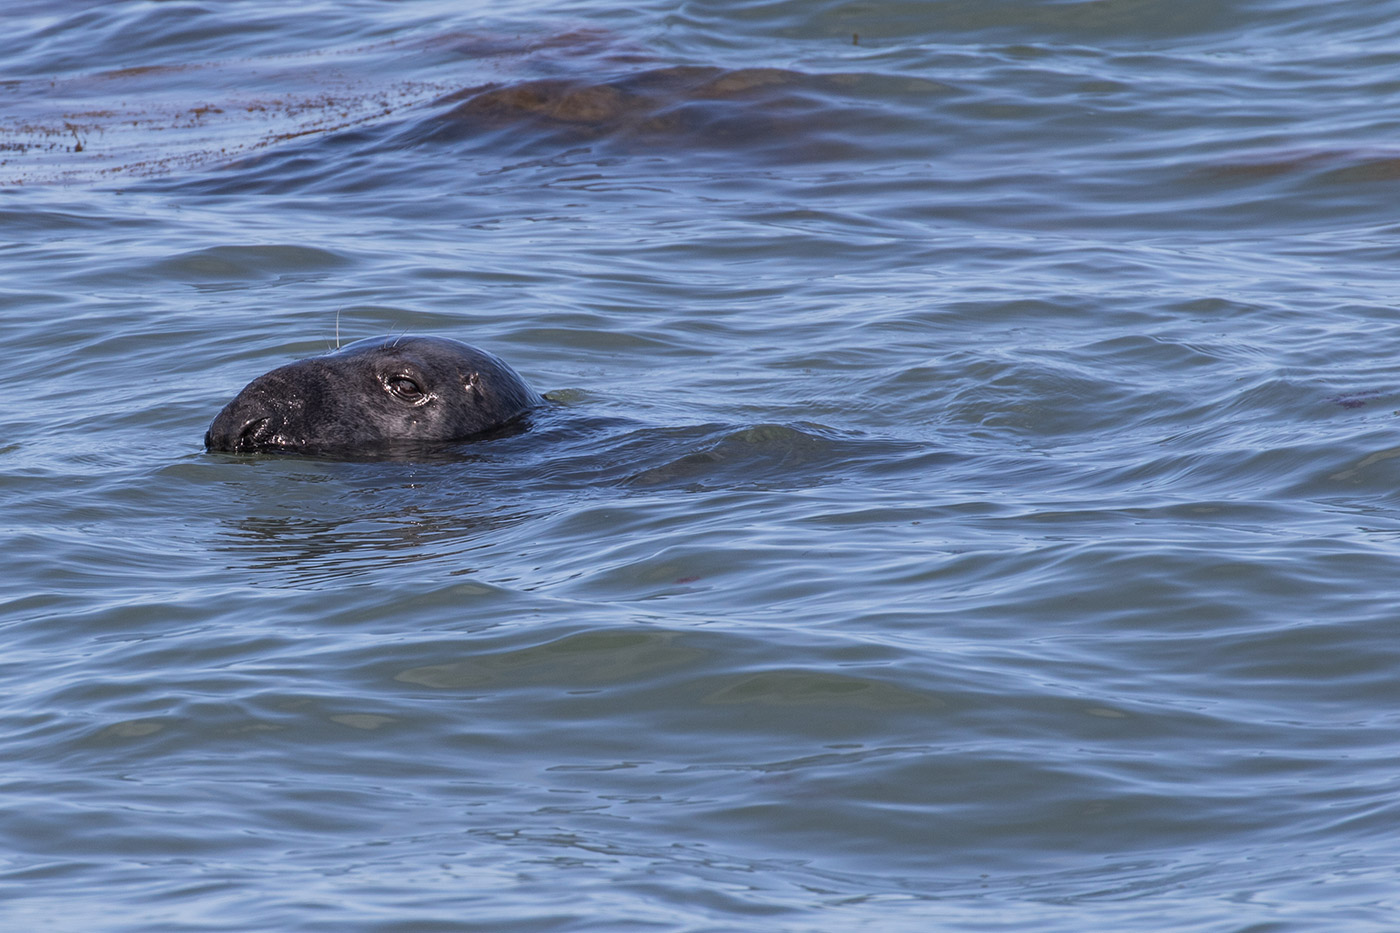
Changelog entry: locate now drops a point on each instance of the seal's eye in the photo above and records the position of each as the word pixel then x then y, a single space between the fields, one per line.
pixel 404 387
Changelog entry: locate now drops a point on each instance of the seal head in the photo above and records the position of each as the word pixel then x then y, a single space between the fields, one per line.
pixel 378 395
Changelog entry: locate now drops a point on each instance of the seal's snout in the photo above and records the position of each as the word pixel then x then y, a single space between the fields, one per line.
pixel 239 428
pixel 262 415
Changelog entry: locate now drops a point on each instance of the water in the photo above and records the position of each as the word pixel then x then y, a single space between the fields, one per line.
pixel 968 502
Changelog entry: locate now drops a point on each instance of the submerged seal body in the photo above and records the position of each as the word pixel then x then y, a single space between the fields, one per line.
pixel 373 396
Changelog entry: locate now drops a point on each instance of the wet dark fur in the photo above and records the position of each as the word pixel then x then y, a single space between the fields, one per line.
pixel 374 396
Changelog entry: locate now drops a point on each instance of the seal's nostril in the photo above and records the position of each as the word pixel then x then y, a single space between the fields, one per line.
pixel 252 432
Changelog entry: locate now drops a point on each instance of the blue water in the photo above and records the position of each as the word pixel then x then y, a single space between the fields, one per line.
pixel 967 500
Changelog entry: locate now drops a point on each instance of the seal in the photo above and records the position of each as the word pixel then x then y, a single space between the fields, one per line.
pixel 374 396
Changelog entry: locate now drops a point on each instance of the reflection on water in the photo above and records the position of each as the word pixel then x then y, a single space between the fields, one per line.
pixel 313 552
pixel 441 504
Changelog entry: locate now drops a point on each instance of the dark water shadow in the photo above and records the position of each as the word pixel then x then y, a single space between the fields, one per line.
pixel 342 111
pixel 686 107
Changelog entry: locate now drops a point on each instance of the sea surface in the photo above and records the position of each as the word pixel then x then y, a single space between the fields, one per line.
pixel 968 498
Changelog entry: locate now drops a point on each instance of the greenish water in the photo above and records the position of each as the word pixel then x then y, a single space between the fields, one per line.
pixel 968 504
